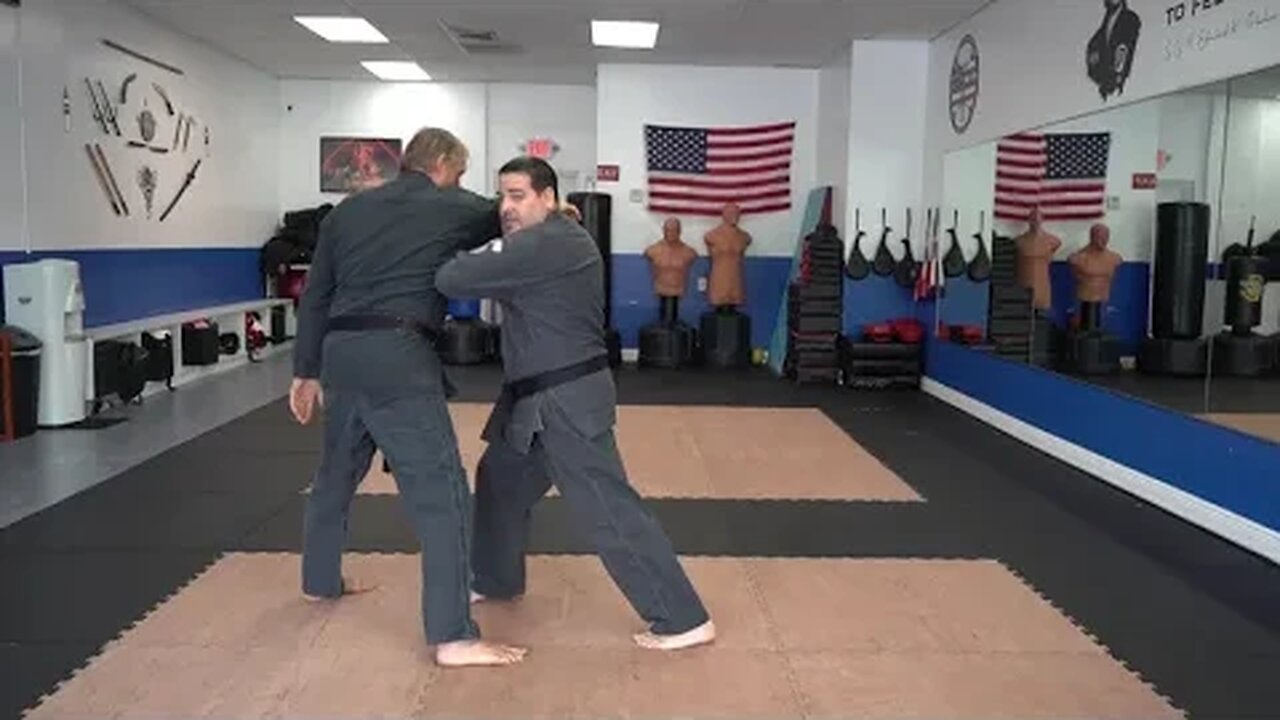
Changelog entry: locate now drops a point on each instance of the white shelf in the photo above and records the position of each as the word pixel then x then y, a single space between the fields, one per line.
pixel 156 322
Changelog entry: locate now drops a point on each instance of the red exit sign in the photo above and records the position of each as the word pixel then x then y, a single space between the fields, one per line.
pixel 1144 181
pixel 608 173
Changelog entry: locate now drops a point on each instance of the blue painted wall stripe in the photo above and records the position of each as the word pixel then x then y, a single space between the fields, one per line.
pixel 127 284
pixel 1226 467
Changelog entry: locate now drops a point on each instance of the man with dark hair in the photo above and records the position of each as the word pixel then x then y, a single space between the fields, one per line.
pixel 365 325
pixel 554 421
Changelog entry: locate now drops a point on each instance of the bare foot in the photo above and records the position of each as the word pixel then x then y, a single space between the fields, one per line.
pixel 471 653
pixel 701 635
pixel 348 588
pixel 478 598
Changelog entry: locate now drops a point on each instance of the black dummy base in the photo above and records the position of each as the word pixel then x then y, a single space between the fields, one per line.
pixel 726 339
pixel 467 342
pixel 1249 355
pixel 667 343
pixel 1184 357
pixel 1091 352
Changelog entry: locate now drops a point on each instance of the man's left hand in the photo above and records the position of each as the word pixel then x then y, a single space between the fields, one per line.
pixel 305 395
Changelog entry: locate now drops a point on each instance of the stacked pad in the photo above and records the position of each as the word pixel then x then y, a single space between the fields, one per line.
pixel 1011 323
pixel 815 309
pixel 882 365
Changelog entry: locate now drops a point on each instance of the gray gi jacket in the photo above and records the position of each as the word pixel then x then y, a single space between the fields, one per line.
pixel 549 281
pixel 378 252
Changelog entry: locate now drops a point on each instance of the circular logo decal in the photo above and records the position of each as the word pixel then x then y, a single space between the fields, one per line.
pixel 964 84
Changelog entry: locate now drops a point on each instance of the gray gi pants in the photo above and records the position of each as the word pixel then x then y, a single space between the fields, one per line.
pixel 415 432
pixel 590 476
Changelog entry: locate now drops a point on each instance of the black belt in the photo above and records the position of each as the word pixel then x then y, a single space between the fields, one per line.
pixel 383 322
pixel 525 387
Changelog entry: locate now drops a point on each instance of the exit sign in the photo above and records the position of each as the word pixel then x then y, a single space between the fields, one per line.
pixel 1144 181
pixel 608 173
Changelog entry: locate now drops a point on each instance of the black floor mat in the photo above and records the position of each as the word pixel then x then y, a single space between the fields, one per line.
pixel 87 597
pixel 696 527
pixel 28 672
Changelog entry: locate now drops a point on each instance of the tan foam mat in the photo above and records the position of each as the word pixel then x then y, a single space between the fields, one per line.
pixel 816 638
pixel 717 452
pixel 1263 425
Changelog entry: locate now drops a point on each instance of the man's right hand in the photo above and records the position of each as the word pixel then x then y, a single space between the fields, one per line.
pixel 304 396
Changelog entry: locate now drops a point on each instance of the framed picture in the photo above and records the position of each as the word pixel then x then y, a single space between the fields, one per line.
pixel 352 164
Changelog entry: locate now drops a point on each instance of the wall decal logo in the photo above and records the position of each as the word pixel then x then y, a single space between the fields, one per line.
pixel 1109 54
pixel 964 84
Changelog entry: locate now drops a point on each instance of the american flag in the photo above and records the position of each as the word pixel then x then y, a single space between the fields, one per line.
pixel 1065 175
pixel 696 171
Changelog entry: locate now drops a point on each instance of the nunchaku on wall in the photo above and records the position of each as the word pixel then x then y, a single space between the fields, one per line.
pixel 906 269
pixel 140 117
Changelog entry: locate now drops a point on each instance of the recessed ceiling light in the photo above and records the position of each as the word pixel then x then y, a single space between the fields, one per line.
pixel 342 29
pixel 396 70
pixel 624 34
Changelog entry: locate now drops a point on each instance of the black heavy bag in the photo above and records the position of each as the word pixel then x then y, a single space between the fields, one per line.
pixel 1182 249
pixel 1246 280
pixel 597 217
pixel 857 267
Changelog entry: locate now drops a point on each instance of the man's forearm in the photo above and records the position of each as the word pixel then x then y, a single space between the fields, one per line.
pixel 309 345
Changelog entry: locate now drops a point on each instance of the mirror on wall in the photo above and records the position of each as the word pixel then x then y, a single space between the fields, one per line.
pixel 1242 295
pixel 1108 245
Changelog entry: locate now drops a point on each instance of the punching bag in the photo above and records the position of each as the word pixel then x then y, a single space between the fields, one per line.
pixel 1246 280
pixel 1182 250
pixel 597 218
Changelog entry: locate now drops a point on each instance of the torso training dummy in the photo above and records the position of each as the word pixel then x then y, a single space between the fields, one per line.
pixel 726 246
pixel 669 262
pixel 1094 268
pixel 1036 248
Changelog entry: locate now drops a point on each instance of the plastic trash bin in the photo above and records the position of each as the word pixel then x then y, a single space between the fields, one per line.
pixel 19 382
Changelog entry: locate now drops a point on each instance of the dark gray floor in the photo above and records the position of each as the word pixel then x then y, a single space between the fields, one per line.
pixel 1193 615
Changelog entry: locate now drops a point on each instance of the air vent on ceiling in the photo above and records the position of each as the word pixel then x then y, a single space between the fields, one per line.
pixel 479 42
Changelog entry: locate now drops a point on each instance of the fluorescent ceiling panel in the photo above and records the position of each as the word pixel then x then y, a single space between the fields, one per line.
pixel 624 34
pixel 342 29
pixel 396 70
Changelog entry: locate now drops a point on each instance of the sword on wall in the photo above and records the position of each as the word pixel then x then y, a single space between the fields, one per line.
pixel 102 179
pixel 111 178
pixel 191 176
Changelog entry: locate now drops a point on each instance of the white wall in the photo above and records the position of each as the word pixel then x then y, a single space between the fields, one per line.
pixel 311 109
pixel 11 230
pixel 629 96
pixel 886 137
pixel 834 112
pixel 564 113
pixel 232 201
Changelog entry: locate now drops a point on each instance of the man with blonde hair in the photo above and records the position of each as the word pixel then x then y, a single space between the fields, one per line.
pixel 365 352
